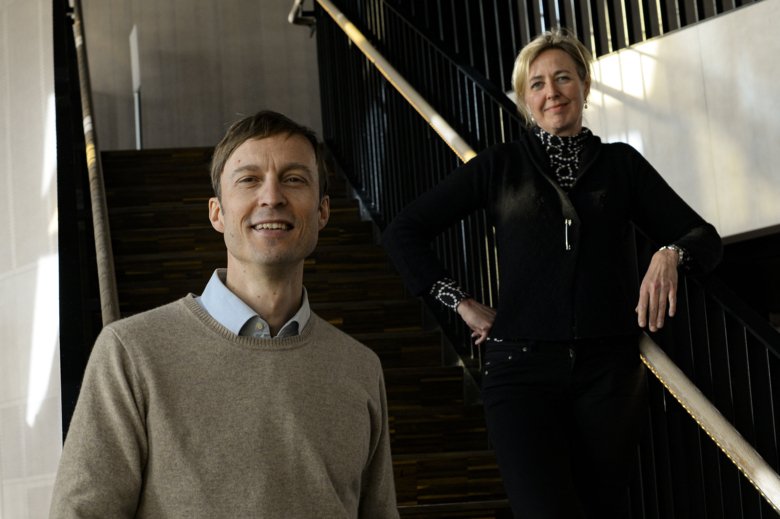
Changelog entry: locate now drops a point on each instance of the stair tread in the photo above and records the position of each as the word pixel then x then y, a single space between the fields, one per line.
pixel 478 509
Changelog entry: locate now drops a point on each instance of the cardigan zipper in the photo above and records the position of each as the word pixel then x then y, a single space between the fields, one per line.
pixel 566 225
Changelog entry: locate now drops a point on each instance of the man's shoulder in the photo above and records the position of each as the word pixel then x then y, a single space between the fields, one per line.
pixel 156 320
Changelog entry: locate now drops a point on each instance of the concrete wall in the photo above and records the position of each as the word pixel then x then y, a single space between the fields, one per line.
pixel 202 65
pixel 702 105
pixel 30 423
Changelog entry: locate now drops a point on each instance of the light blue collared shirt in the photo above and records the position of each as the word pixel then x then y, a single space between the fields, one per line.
pixel 235 315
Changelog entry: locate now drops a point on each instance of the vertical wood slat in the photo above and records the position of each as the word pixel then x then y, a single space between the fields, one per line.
pixel 636 22
pixel 523 23
pixel 535 21
pixel 689 12
pixel 709 9
pixel 670 16
pixel 501 19
pixel 619 24
pixel 586 32
pixel 652 15
pixel 550 14
pixel 568 18
pixel 601 32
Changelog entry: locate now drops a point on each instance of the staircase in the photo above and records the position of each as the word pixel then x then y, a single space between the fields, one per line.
pixel 165 247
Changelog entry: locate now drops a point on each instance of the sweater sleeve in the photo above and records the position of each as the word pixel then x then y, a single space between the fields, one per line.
pixel 667 219
pixel 100 472
pixel 408 237
pixel 377 497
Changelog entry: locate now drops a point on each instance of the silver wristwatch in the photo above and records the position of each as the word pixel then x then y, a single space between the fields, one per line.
pixel 680 253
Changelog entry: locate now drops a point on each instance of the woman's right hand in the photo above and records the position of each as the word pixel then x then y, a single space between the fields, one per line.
pixel 478 317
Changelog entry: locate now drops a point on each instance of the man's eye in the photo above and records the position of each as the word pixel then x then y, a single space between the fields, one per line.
pixel 294 180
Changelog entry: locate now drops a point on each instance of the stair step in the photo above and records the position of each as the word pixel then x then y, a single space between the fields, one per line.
pixel 155 286
pixel 423 387
pixel 371 316
pixel 403 349
pixel 438 478
pixel 202 236
pixel 150 279
pixel 165 206
pixel 340 258
pixel 491 509
pixel 353 286
pixel 438 429
pixel 324 283
pixel 351 257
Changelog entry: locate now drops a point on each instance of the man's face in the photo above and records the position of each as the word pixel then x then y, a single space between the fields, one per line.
pixel 270 212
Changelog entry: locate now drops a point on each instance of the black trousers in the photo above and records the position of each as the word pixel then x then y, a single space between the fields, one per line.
pixel 564 419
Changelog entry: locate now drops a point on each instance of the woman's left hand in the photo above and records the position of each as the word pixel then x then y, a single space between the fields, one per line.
pixel 658 288
pixel 478 317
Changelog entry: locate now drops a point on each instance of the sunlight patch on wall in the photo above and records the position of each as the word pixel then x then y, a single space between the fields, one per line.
pixel 46 325
pixel 45 319
pixel 49 149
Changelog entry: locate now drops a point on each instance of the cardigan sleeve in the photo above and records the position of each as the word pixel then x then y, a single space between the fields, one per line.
pixel 100 472
pixel 667 219
pixel 408 237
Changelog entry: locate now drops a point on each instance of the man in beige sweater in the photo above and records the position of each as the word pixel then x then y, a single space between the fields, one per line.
pixel 241 402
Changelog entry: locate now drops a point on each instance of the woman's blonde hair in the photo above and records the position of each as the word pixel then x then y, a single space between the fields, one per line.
pixel 558 38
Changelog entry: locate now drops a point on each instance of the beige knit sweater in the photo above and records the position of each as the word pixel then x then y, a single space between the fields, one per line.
pixel 179 418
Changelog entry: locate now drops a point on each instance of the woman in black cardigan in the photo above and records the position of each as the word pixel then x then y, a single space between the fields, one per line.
pixel 563 386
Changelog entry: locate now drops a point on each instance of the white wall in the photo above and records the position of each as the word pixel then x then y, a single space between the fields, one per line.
pixel 203 64
pixel 702 105
pixel 30 423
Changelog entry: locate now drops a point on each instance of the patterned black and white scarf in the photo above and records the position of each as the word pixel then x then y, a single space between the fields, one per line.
pixel 564 153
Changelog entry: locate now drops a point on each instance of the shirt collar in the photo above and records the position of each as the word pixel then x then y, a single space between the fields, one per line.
pixel 232 313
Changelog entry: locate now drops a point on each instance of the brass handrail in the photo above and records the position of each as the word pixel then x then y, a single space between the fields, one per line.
pixel 109 299
pixel 710 420
pixel 436 121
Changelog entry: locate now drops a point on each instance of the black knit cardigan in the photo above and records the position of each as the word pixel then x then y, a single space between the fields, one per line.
pixel 567 267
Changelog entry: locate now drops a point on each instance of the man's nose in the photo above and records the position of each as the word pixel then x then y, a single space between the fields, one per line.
pixel 271 193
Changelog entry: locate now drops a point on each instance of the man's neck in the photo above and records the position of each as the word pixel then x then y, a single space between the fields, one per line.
pixel 275 296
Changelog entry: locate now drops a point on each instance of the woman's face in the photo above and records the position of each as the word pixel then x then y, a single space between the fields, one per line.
pixel 555 94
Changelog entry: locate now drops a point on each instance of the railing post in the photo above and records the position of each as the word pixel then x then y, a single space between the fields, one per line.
pixel 109 300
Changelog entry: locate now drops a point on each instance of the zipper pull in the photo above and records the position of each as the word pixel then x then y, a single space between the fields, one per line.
pixel 566 225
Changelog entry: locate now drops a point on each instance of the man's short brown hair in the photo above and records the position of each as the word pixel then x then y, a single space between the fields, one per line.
pixel 265 123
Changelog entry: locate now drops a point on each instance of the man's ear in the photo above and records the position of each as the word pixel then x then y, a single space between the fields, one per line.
pixel 215 214
pixel 324 211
